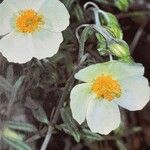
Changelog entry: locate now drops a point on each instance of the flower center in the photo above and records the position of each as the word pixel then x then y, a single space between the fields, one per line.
pixel 29 21
pixel 106 87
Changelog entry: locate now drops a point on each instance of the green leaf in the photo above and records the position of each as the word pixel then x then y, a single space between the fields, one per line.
pixel 37 110
pixel 68 3
pixel 70 123
pixel 101 45
pixel 122 4
pixel 10 74
pixel 16 88
pixel 79 13
pixel 86 33
pixel 121 145
pixel 21 126
pixel 118 131
pixel 64 128
pixel 6 132
pixel 86 134
pixel 17 144
pixel 40 115
pixel 4 84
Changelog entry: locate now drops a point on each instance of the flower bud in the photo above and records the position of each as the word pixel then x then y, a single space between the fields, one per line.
pixel 119 49
pixel 127 59
pixel 122 4
pixel 115 31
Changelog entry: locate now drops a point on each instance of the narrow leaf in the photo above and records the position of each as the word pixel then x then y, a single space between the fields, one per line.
pixel 4 84
pixel 68 3
pixel 16 88
pixel 70 123
pixel 21 126
pixel 121 145
pixel 64 128
pixel 37 110
pixel 6 132
pixel 86 33
pixel 10 74
pixel 86 134
pixel 17 144
pixel 79 13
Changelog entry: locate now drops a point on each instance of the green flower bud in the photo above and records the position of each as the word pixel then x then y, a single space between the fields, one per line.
pixel 111 24
pixel 119 49
pixel 127 59
pixel 108 19
pixel 122 4
pixel 115 31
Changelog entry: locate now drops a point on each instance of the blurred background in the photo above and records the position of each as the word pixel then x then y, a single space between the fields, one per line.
pixel 38 85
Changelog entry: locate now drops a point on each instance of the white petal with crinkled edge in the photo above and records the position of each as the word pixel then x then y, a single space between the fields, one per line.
pixel 15 48
pixel 80 97
pixel 116 69
pixel 17 5
pixel 135 93
pixel 22 48
pixel 45 43
pixel 5 19
pixel 55 14
pixel 102 116
pixel 34 4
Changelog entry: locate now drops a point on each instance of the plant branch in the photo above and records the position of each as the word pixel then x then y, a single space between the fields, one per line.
pixel 67 88
pixel 47 138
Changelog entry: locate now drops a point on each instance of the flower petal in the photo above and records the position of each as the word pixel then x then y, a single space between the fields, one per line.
pixel 15 48
pixel 45 43
pixel 80 96
pixel 102 116
pixel 135 93
pixel 55 14
pixel 18 5
pixel 117 69
pixel 33 4
pixel 5 18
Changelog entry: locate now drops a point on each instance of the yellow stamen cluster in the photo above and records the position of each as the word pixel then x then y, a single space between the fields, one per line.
pixel 29 21
pixel 106 87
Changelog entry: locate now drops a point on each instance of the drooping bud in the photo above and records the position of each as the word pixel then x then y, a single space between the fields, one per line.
pixel 122 4
pixel 115 31
pixel 111 24
pixel 127 59
pixel 119 48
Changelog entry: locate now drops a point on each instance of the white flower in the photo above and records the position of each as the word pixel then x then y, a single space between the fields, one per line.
pixel 107 86
pixel 32 28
